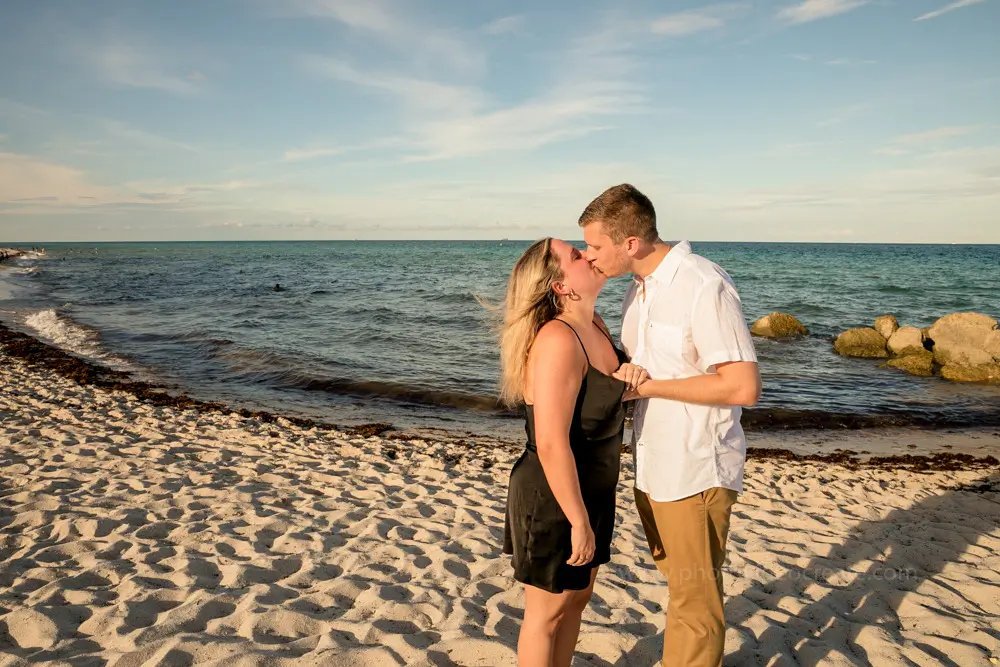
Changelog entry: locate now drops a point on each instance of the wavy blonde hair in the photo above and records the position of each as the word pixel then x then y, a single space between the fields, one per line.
pixel 530 303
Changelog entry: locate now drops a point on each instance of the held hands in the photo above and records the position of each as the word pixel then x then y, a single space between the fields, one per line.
pixel 584 545
pixel 633 376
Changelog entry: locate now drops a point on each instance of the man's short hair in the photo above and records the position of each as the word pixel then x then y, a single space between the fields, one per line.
pixel 624 212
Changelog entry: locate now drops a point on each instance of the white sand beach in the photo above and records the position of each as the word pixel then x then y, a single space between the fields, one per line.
pixel 139 535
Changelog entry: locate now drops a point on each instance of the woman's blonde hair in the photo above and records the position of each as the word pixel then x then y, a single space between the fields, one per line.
pixel 530 303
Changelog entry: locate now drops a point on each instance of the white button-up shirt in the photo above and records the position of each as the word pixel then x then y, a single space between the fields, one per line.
pixel 679 322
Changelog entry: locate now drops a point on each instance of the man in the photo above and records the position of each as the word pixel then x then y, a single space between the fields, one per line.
pixel 682 323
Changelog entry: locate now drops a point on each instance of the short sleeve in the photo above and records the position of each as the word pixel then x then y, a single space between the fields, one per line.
pixel 718 328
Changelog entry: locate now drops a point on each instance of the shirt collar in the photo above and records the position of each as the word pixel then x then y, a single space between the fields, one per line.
pixel 664 273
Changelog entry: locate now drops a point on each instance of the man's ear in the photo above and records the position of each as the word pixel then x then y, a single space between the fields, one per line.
pixel 632 245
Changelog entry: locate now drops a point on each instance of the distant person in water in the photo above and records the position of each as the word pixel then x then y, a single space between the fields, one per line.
pixel 682 321
pixel 557 360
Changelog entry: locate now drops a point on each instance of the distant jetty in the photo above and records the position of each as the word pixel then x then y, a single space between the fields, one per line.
pixel 10 253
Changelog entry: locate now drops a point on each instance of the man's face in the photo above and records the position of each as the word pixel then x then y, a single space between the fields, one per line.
pixel 610 259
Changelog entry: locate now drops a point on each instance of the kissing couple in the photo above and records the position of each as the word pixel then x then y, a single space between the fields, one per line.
pixel 688 362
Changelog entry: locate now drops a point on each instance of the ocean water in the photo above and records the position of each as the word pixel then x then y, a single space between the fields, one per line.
pixel 392 331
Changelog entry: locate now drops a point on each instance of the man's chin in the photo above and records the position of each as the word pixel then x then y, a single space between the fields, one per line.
pixel 607 274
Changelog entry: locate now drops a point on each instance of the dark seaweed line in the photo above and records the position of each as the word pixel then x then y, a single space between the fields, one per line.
pixel 37 354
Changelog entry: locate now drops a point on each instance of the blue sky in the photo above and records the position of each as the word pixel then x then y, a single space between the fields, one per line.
pixel 822 120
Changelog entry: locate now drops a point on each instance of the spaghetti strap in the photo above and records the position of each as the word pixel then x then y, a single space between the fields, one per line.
pixel 584 347
pixel 607 335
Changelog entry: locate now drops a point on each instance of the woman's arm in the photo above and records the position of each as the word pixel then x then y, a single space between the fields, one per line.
pixel 557 367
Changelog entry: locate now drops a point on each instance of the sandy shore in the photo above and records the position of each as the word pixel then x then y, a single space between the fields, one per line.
pixel 134 534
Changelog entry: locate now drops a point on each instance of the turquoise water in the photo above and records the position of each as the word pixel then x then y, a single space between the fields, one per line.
pixel 364 331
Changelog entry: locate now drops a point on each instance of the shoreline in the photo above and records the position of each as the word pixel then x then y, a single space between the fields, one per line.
pixel 874 448
pixel 135 533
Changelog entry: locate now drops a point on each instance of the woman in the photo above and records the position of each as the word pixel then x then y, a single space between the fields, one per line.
pixel 557 359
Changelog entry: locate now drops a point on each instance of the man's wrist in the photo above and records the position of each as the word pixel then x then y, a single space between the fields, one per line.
pixel 647 389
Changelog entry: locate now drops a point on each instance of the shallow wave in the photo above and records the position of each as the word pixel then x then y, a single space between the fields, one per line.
pixel 397 392
pixel 72 336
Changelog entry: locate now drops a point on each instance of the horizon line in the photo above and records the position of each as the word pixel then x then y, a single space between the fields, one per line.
pixel 17 244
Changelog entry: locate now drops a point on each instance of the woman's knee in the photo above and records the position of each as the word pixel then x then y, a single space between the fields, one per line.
pixel 575 602
pixel 550 612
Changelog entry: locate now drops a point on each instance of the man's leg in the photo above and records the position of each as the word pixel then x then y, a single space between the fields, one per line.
pixel 645 509
pixel 693 533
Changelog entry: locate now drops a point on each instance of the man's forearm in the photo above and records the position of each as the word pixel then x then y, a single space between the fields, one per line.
pixel 712 389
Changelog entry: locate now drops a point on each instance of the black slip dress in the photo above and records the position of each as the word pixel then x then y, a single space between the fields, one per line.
pixel 536 531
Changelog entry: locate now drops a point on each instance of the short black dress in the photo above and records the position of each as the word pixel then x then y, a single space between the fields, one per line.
pixel 536 531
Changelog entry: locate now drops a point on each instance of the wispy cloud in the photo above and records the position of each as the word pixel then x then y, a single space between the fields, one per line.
pixel 33 118
pixel 843 115
pixel 891 151
pixel 949 8
pixel 422 93
pixel 28 179
pixel 936 134
pixel 318 151
pixel 124 131
pixel 128 64
pixel 412 38
pixel 696 20
pixel 814 10
pixel 442 120
pixel 505 25
pixel 301 154
pixel 799 147
pixel 846 62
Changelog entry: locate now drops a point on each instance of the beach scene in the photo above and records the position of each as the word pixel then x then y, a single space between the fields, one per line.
pixel 252 285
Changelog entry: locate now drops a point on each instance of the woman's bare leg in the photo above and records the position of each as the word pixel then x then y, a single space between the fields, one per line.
pixel 569 628
pixel 551 625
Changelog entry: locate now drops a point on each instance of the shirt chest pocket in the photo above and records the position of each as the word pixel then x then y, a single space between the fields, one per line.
pixel 666 345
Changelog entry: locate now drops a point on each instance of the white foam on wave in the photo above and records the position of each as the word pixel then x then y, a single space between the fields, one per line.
pixel 72 336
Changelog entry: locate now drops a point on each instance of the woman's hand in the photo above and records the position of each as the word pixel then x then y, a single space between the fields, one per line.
pixel 584 545
pixel 632 375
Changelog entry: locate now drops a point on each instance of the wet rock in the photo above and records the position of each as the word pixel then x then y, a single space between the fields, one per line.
pixel 977 373
pixel 778 325
pixel 966 339
pixel 917 363
pixel 862 342
pixel 967 346
pixel 886 325
pixel 906 340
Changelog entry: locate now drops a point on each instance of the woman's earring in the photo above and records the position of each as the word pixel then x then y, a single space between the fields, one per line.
pixel 573 295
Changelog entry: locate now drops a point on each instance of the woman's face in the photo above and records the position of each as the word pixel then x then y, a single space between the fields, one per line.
pixel 578 274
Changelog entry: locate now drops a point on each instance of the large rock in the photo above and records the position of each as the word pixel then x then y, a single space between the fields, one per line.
pixel 886 325
pixel 907 340
pixel 918 363
pixel 778 325
pixel 863 342
pixel 980 373
pixel 965 339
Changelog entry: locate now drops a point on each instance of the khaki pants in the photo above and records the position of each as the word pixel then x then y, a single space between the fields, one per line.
pixel 687 538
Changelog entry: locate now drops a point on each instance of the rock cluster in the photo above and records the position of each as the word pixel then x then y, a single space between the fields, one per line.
pixel 964 347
